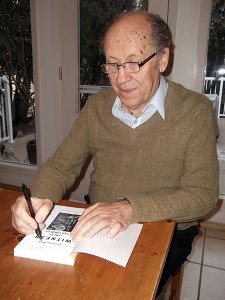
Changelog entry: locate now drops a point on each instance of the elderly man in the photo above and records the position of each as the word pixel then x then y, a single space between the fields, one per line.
pixel 152 141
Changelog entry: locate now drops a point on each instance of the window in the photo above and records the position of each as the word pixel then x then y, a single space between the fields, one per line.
pixel 94 19
pixel 17 107
pixel 215 68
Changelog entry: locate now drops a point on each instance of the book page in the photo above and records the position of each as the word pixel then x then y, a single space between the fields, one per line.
pixel 117 249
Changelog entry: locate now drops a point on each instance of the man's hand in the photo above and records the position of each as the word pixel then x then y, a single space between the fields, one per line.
pixel 21 219
pixel 116 216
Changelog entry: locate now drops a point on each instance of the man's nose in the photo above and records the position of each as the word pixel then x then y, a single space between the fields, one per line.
pixel 123 76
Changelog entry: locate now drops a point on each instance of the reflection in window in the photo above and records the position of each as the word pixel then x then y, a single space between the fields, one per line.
pixel 94 19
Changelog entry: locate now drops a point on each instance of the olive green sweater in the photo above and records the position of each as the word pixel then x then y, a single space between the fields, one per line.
pixel 166 168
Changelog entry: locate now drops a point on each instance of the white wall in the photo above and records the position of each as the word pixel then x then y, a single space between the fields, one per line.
pixel 190 38
pixel 54 32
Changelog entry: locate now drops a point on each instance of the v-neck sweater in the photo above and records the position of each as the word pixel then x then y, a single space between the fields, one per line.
pixel 168 169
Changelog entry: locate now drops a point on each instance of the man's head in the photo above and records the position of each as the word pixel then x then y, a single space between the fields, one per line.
pixel 133 37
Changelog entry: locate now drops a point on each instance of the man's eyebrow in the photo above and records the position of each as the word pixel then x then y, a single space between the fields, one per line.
pixel 127 59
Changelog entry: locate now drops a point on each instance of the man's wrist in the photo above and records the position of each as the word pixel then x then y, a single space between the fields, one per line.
pixel 125 199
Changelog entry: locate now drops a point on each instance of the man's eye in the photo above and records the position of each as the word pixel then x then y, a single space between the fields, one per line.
pixel 114 66
pixel 132 65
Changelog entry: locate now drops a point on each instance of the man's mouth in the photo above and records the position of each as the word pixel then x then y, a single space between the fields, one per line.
pixel 127 92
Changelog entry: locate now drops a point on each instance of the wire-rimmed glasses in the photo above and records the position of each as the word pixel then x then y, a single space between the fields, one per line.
pixel 129 67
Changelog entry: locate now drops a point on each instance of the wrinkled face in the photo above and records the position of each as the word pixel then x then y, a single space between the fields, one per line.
pixel 128 40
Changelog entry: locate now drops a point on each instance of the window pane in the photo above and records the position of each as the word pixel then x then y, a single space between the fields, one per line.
pixel 94 18
pixel 215 68
pixel 17 107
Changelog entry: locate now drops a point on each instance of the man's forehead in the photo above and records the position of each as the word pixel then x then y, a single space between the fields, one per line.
pixel 119 36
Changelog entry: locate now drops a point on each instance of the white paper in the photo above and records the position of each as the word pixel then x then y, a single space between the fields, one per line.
pixel 117 250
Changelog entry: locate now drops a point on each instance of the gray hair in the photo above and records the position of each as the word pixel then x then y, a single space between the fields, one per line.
pixel 160 32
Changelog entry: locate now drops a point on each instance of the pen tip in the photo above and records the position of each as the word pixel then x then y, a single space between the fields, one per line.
pixel 38 233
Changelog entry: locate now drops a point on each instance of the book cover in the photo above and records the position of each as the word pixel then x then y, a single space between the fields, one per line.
pixel 56 245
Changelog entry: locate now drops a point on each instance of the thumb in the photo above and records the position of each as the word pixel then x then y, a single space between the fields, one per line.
pixel 44 210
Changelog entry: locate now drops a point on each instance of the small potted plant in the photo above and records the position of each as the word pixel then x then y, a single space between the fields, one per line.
pixel 32 151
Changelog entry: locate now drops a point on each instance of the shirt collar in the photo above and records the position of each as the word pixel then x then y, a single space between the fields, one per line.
pixel 158 99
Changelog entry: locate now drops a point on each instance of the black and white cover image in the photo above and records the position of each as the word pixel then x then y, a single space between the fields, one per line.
pixel 64 222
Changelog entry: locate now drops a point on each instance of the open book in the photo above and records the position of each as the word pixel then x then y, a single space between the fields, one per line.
pixel 56 245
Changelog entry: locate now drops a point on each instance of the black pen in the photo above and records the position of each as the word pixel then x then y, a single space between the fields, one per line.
pixel 27 195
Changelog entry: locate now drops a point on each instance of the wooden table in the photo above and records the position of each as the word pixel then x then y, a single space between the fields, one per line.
pixel 92 277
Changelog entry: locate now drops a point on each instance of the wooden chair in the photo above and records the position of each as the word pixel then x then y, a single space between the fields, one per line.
pixel 176 284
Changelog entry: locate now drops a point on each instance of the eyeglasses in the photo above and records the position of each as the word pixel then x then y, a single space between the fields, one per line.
pixel 129 67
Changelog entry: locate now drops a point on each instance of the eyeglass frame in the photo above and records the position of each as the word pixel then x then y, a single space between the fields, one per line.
pixel 141 64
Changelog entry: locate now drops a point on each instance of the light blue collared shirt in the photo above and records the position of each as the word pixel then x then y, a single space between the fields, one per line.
pixel 156 104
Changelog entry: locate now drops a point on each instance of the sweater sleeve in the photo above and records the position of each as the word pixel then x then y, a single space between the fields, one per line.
pixel 198 190
pixel 60 171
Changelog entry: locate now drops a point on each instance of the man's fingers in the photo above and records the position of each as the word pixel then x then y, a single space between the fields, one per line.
pixel 94 225
pixel 22 227
pixel 89 228
pixel 44 211
pixel 20 216
pixel 21 219
pixel 115 216
pixel 117 227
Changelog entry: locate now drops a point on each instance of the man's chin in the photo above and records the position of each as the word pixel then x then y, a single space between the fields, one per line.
pixel 129 104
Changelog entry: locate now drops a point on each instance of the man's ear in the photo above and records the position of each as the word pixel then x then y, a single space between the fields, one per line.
pixel 164 59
